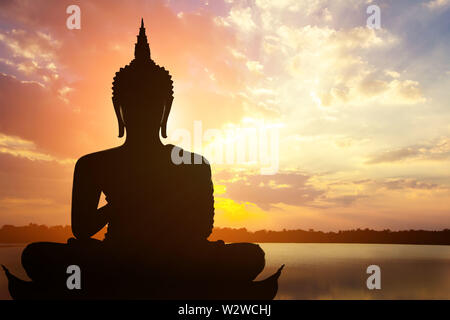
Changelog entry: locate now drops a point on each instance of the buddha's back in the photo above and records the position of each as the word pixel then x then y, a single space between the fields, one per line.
pixel 154 200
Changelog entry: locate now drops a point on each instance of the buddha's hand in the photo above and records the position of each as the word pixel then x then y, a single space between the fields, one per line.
pixel 83 242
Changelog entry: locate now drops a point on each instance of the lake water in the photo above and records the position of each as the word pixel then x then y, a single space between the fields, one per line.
pixel 334 271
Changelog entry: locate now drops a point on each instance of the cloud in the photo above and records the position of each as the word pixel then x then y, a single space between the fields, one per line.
pixel 291 5
pixel 408 183
pixel 312 51
pixel 437 4
pixel 238 17
pixel 31 45
pixel 394 155
pixel 436 150
pixel 290 188
pixel 21 148
pixel 300 193
pixel 254 66
pixel 31 53
pixel 391 92
pixel 345 200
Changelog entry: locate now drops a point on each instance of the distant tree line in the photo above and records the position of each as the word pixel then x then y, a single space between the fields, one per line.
pixel 34 232
pixel 347 236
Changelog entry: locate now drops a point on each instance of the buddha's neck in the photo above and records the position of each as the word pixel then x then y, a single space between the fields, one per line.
pixel 141 142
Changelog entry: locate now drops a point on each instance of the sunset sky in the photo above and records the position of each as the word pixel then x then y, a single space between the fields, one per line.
pixel 363 115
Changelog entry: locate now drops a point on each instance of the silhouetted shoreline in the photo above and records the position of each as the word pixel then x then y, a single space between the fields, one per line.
pixel 34 232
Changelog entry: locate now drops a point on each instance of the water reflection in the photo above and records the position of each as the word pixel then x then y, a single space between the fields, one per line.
pixel 338 271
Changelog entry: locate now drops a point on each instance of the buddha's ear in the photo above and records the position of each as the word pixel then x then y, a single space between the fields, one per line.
pixel 118 111
pixel 165 116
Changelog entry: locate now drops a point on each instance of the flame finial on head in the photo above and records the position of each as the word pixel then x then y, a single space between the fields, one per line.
pixel 142 49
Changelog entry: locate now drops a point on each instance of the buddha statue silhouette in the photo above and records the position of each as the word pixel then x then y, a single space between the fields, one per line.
pixel 159 214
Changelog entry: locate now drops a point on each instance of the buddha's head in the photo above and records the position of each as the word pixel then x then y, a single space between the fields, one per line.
pixel 142 92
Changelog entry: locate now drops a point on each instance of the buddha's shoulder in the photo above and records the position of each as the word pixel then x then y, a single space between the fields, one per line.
pixel 187 160
pixel 99 157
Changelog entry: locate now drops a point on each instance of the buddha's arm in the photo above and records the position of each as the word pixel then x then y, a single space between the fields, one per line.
pixel 205 203
pixel 87 220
